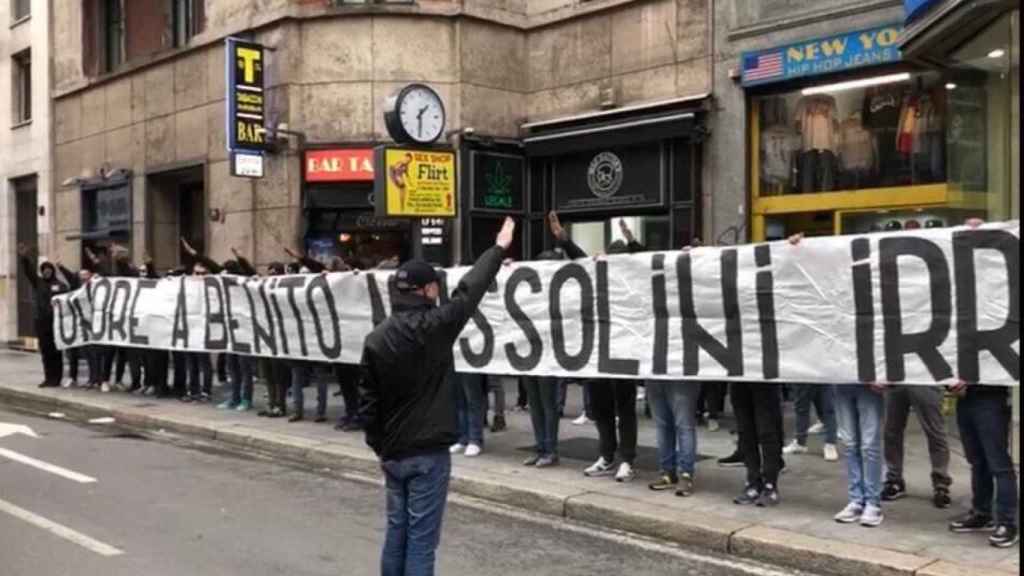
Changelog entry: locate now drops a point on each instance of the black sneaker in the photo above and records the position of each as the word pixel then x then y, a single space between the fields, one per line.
pixel 685 489
pixel 1004 536
pixel 499 424
pixel 894 490
pixel 732 461
pixel 769 497
pixel 664 482
pixel 972 522
pixel 751 494
pixel 941 498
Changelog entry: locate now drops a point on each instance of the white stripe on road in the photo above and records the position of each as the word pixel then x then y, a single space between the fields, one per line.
pixel 59 530
pixel 46 466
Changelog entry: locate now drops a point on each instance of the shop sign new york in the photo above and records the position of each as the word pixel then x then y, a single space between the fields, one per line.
pixel 245 97
pixel 846 51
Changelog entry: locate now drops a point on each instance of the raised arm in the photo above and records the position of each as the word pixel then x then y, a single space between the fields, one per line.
pixel 562 239
pixel 243 263
pixel 28 267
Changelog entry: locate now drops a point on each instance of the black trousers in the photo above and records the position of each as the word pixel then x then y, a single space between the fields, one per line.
pixel 53 362
pixel 222 368
pixel 180 373
pixel 156 370
pixel 278 383
pixel 96 357
pixel 758 409
pixel 200 373
pixel 133 359
pixel 73 355
pixel 712 399
pixel 611 398
pixel 348 376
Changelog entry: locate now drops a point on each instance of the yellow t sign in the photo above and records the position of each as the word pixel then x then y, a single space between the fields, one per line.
pixel 247 60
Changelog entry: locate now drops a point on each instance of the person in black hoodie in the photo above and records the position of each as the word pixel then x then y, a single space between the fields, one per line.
pixel 612 399
pixel 46 285
pixel 408 404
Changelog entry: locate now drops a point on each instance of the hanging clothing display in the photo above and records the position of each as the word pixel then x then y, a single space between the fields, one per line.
pixel 815 117
pixel 779 146
pixel 881 115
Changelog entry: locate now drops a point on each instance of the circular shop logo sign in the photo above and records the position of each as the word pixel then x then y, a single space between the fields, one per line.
pixel 604 176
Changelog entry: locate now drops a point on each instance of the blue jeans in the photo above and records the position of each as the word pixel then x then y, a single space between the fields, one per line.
pixel 860 410
pixel 469 403
pixel 241 368
pixel 674 407
pixel 587 408
pixel 302 373
pixel 543 399
pixel 823 398
pixel 417 491
pixel 984 421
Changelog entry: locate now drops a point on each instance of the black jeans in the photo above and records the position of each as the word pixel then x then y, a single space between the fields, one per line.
pixel 984 421
pixel 96 357
pixel 73 355
pixel 199 366
pixel 758 409
pixel 611 398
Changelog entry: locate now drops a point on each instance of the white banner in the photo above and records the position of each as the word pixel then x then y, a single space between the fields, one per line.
pixel 914 307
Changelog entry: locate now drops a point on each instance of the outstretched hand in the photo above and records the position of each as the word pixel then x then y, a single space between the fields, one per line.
pixel 507 233
pixel 188 247
pixel 626 232
pixel 556 226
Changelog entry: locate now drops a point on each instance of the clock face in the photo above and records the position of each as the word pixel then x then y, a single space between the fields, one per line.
pixel 421 114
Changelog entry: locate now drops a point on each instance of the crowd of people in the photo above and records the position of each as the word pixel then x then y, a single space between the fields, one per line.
pixel 448 411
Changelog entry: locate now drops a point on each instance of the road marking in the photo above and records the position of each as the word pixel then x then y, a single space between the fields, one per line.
pixel 59 530
pixel 8 429
pixel 46 466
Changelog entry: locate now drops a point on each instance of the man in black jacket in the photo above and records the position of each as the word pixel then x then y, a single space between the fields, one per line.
pixel 408 403
pixel 46 285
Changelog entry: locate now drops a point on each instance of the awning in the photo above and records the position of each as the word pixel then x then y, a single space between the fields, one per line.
pixel 617 128
pixel 945 26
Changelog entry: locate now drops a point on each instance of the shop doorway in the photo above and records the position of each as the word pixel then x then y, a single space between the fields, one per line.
pixel 357 236
pixel 177 209
pixel 25 199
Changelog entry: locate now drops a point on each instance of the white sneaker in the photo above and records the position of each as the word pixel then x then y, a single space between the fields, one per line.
pixel 457 448
pixel 104 387
pixel 831 454
pixel 794 447
pixel 600 468
pixel 67 383
pixel 851 514
pixel 816 429
pixel 872 516
pixel 473 450
pixel 581 421
pixel 625 473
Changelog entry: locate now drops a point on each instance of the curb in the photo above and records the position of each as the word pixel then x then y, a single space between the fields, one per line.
pixel 699 531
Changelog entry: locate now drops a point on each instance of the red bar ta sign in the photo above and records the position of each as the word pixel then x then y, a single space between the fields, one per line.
pixel 342 165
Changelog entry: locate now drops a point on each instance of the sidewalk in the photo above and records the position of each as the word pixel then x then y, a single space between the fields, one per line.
pixel 799 534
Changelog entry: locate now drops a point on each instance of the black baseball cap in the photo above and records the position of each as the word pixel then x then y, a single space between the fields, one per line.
pixel 414 275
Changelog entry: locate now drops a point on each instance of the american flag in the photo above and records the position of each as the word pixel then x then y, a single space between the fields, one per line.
pixel 762 66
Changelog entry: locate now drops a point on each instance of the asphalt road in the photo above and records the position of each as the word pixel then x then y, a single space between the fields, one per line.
pixel 160 508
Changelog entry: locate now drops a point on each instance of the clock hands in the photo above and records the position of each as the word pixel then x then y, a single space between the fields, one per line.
pixel 419 121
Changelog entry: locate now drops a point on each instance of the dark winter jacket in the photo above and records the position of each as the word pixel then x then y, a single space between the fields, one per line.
pixel 44 290
pixel 408 402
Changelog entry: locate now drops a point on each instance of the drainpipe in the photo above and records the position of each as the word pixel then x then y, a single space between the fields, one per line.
pixel 707 197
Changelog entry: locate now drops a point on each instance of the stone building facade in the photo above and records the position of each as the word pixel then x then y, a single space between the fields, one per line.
pixel 139 140
pixel 25 178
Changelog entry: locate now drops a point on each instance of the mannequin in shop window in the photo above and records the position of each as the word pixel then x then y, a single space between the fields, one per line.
pixel 857 154
pixel 921 140
pixel 779 146
pixel 815 119
pixel 881 116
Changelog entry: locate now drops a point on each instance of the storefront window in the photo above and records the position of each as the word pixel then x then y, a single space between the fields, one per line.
pixel 879 132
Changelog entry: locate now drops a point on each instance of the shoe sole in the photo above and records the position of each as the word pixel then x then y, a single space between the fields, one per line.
pixel 730 464
pixel 617 479
pixel 662 488
pixel 871 524
pixel 1006 544
pixel 971 530
pixel 598 474
pixel 847 520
